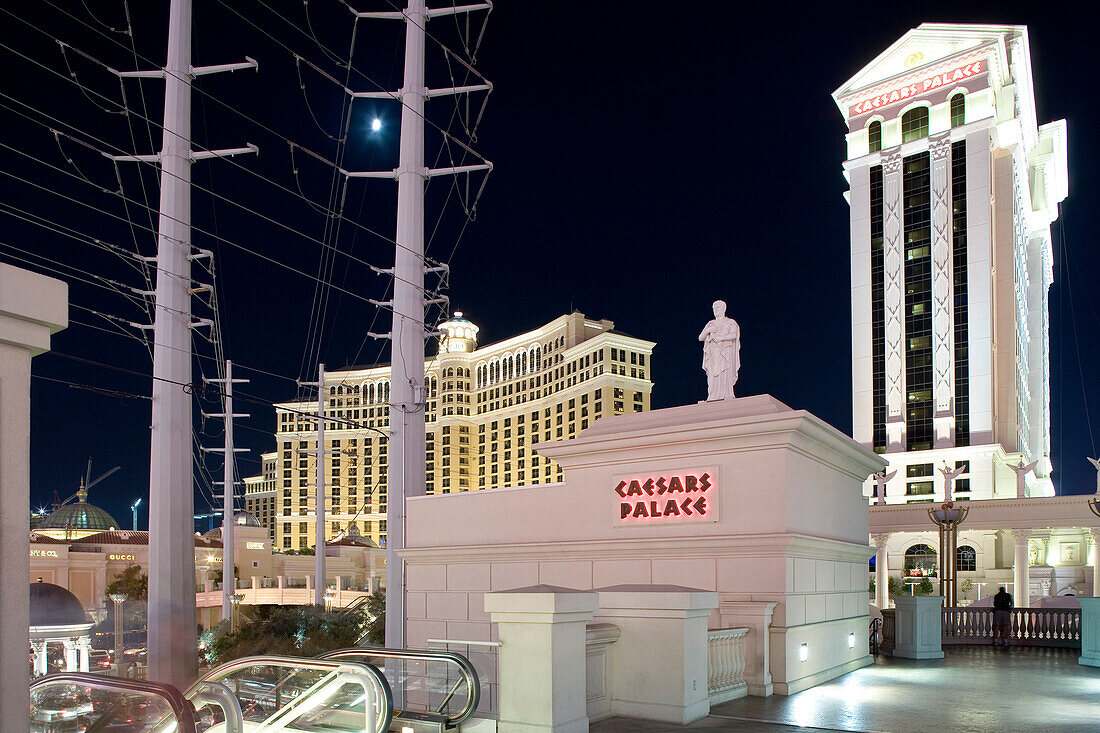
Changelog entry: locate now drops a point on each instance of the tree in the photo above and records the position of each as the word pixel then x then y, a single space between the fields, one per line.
pixel 300 631
pixel 374 630
pixel 132 583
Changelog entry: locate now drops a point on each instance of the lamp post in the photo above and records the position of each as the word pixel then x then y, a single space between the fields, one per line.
pixel 235 617
pixel 119 599
pixel 133 508
pixel 948 518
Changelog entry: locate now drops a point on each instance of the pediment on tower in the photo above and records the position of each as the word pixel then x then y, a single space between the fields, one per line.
pixel 927 47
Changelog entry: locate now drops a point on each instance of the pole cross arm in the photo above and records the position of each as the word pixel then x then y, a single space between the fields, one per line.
pixel 374 335
pixel 453 10
pixel 227 152
pixel 248 63
pixel 486 166
pixel 459 90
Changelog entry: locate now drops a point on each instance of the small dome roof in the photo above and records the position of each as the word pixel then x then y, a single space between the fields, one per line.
pixel 80 515
pixel 245 519
pixel 52 605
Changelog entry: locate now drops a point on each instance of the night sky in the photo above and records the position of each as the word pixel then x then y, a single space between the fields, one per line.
pixel 649 158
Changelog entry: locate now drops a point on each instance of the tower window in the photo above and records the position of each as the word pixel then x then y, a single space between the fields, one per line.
pixel 958 110
pixel 914 124
pixel 874 137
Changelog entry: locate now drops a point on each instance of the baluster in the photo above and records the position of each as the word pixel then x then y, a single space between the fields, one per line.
pixel 739 659
pixel 712 662
pixel 727 677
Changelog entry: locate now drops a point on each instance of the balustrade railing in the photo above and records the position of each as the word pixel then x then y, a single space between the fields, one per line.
pixel 1048 627
pixel 726 664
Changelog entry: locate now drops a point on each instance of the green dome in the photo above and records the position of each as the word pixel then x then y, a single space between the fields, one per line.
pixel 80 515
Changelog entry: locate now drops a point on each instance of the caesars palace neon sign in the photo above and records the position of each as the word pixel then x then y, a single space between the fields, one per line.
pixel 667 498
pixel 917 87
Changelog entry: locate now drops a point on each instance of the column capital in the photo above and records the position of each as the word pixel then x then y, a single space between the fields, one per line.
pixel 1021 536
pixel 879 539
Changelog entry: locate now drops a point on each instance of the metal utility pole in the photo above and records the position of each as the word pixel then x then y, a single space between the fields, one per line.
pixel 229 574
pixel 172 639
pixel 408 391
pixel 319 489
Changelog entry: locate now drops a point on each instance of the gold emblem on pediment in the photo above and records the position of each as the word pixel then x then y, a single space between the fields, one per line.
pixel 914 59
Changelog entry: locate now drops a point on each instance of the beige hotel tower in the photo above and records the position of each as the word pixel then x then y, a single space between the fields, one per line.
pixel 487 410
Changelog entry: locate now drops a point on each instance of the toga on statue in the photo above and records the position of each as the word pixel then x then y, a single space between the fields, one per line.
pixel 721 354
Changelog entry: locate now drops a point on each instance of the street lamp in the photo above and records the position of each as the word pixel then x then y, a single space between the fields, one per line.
pixel 133 508
pixel 330 596
pixel 235 616
pixel 948 518
pixel 119 599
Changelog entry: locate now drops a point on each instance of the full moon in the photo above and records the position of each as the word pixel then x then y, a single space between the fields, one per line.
pixel 375 125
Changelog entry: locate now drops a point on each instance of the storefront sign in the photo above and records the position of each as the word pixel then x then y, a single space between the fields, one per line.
pixel 44 553
pixel 254 545
pixel 120 557
pixel 917 87
pixel 671 497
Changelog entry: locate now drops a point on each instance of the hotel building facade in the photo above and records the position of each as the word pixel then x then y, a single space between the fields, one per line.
pixel 487 410
pixel 953 189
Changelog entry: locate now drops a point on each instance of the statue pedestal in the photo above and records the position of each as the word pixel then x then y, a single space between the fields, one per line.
pixel 919 628
pixel 1090 632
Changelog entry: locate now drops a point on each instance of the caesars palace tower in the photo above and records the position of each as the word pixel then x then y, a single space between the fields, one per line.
pixel 953 188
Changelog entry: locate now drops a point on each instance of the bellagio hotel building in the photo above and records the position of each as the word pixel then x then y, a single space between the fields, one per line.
pixel 488 408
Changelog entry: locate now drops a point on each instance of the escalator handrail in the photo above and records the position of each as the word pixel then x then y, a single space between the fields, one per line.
pixel 469 674
pixel 220 695
pixel 323 665
pixel 181 707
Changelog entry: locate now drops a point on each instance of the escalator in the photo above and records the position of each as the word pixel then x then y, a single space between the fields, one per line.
pixel 347 690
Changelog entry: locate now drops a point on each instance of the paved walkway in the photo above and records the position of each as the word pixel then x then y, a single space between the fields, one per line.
pixel 972 690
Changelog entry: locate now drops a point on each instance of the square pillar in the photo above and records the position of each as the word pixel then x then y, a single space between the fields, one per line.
pixel 1090 632
pixel 659 664
pixel 918 631
pixel 32 307
pixel 541 667
pixel 757 617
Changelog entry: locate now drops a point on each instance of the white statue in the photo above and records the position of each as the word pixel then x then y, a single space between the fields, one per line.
pixel 880 483
pixel 721 354
pixel 1096 462
pixel 949 476
pixel 1021 477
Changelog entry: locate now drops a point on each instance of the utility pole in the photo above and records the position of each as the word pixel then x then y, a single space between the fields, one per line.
pixel 229 574
pixel 408 395
pixel 172 641
pixel 319 489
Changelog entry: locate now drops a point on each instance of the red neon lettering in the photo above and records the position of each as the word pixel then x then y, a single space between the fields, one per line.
pixel 891 96
pixel 634 503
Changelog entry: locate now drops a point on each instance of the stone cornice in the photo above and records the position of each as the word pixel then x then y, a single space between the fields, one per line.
pixel 768 545
pixel 1030 513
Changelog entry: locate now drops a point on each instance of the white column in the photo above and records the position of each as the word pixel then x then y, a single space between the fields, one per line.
pixel 40 664
pixel 1094 561
pixel 1020 576
pixel 542 665
pixel 882 577
pixel 85 649
pixel 31 308
pixel 943 320
pixel 71 663
pixel 894 295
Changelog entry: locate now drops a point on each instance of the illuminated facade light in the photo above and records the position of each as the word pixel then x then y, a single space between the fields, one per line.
pixel 852 640
pixel 803 652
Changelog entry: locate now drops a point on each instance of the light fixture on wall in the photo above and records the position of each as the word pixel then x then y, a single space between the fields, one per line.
pixel 804 652
pixel 851 640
